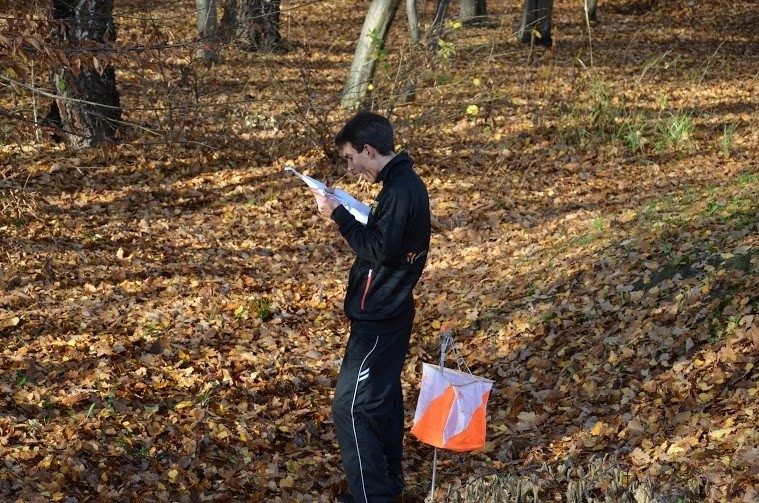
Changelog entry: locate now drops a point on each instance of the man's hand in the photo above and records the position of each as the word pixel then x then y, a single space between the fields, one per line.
pixel 325 202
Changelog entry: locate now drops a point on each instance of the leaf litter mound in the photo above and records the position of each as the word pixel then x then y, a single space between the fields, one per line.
pixel 171 307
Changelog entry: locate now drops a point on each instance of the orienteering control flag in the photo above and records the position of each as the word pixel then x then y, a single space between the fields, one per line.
pixel 451 410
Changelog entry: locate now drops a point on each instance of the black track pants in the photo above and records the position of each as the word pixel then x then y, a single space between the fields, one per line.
pixel 368 414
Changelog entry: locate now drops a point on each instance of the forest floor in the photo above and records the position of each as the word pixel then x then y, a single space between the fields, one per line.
pixel 170 307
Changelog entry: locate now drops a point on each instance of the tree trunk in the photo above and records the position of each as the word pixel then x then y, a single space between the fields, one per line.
pixel 474 12
pixel 207 23
pixel 373 33
pixel 253 24
pixel 208 30
pixel 89 104
pixel 536 23
pixel 413 21
pixel 592 6
pixel 437 24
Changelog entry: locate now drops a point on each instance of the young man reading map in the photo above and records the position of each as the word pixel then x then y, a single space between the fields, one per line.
pixel 391 251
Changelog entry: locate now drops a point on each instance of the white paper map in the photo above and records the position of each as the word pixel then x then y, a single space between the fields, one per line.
pixel 356 208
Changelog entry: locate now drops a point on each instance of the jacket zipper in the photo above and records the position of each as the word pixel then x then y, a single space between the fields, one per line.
pixel 366 289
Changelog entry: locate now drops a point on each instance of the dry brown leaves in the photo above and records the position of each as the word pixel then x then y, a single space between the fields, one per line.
pixel 172 322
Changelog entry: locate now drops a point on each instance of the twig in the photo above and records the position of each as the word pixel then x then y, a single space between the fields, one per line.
pixel 708 63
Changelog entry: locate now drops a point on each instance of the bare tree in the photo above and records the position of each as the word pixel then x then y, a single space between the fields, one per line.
pixel 208 29
pixel 474 12
pixel 253 24
pixel 437 24
pixel 88 106
pixel 535 26
pixel 373 33
pixel 413 21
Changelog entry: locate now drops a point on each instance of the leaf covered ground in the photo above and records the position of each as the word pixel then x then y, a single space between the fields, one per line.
pixel 170 307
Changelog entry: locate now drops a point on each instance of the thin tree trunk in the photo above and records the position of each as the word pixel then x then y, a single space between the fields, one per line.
pixel 408 92
pixel 474 12
pixel 437 24
pixel 89 105
pixel 373 33
pixel 413 21
pixel 208 30
pixel 253 24
pixel 592 8
pixel 207 21
pixel 536 23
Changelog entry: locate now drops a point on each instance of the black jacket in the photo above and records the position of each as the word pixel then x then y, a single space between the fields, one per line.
pixel 391 250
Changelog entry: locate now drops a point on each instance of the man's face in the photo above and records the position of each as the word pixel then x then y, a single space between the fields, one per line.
pixel 359 163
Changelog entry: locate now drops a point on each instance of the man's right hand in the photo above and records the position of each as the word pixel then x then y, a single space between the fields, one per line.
pixel 325 202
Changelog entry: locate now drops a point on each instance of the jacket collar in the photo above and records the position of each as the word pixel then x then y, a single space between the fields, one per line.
pixel 392 166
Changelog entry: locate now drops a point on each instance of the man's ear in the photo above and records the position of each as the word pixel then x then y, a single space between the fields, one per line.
pixel 371 152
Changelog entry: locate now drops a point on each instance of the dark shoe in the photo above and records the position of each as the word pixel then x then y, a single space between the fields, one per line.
pixel 345 498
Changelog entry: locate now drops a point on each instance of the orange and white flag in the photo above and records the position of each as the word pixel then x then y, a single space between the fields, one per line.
pixel 451 410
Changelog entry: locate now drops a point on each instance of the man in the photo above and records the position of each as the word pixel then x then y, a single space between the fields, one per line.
pixel 391 251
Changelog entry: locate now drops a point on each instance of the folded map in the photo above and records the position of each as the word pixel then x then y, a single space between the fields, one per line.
pixel 359 210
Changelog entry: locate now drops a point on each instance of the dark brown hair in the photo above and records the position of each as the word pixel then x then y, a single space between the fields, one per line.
pixel 367 128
